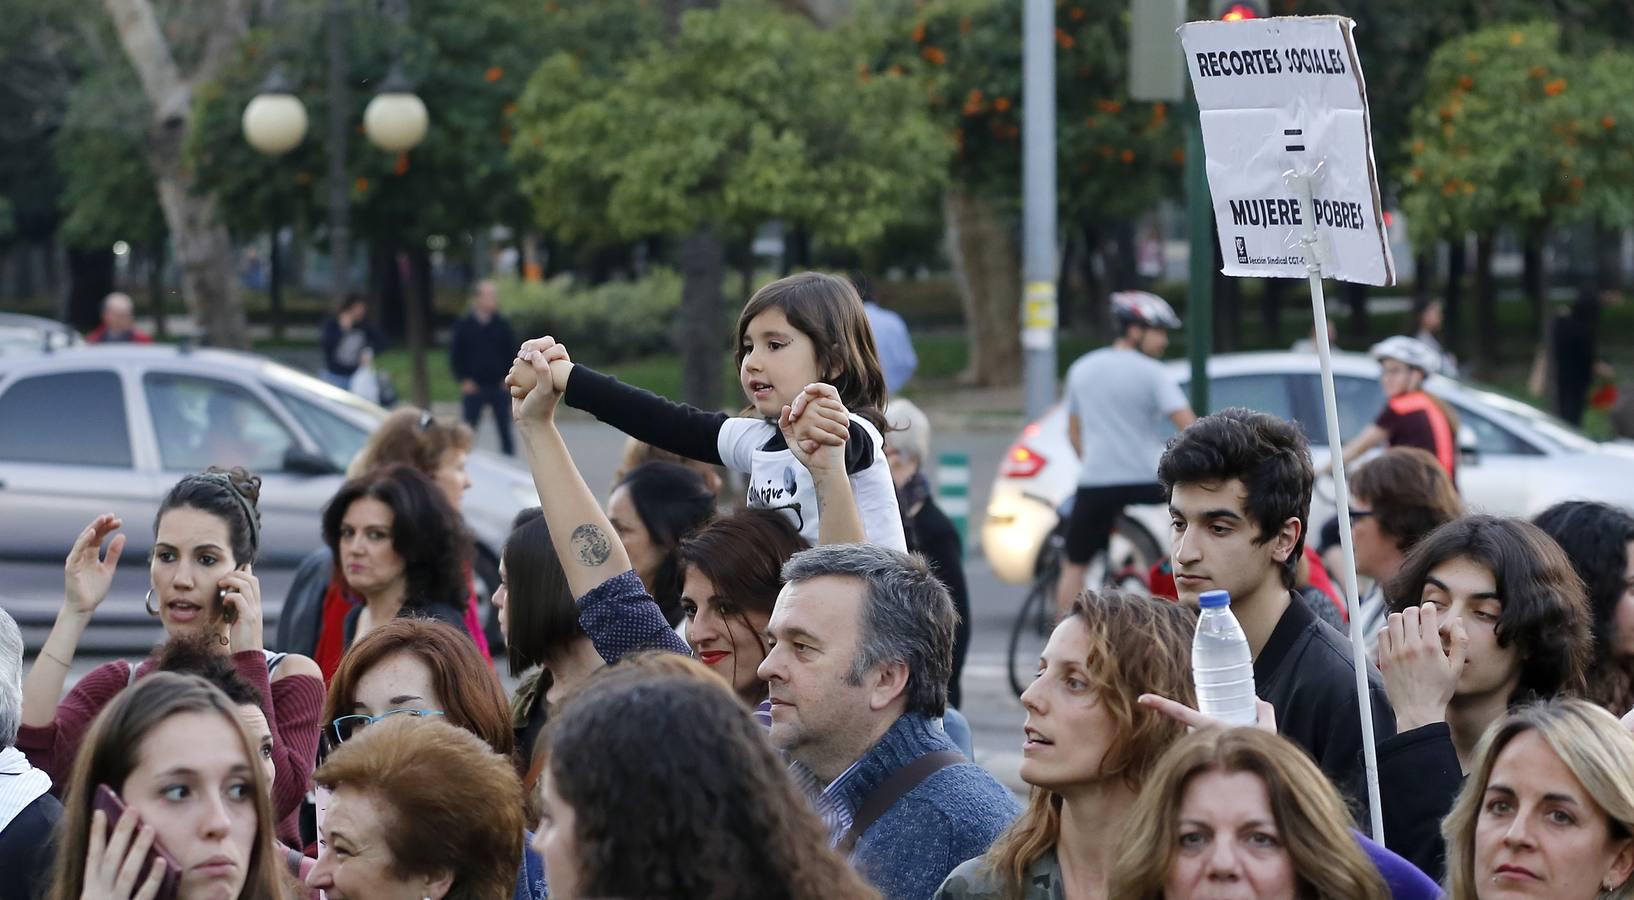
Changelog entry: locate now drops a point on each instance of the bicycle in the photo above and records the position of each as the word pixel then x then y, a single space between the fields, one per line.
pixel 1133 552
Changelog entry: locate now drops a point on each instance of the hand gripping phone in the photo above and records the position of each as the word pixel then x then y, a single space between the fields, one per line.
pixel 112 807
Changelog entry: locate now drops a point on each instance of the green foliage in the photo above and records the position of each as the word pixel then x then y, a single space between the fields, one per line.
pixel 609 322
pixel 467 62
pixel 108 192
pixel 1494 141
pixel 749 114
pixel 1117 157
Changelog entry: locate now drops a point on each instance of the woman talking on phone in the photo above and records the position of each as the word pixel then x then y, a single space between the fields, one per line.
pixel 166 803
pixel 207 535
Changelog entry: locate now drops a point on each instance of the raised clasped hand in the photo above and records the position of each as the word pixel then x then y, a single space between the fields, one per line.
pixel 816 427
pixel 532 380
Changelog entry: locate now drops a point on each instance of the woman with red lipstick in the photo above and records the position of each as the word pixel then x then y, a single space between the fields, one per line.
pixel 172 750
pixel 1548 809
pixel 208 533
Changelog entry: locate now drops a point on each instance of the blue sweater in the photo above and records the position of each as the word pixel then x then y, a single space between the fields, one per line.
pixel 948 818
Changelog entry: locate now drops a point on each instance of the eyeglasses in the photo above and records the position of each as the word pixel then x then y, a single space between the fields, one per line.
pixel 346 726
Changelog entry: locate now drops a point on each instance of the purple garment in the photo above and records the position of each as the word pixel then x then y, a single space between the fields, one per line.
pixel 1403 879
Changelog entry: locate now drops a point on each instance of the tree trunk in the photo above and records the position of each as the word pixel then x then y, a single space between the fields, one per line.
pixel 156 286
pixel 90 278
pixel 1534 278
pixel 981 245
pixel 1423 278
pixel 1608 257
pixel 1093 305
pixel 414 275
pixel 1453 299
pixel 698 329
pixel 1486 306
pixel 199 238
pixel 1271 303
pixel 1361 330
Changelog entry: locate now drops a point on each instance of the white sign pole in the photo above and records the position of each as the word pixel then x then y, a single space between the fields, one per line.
pixel 1301 183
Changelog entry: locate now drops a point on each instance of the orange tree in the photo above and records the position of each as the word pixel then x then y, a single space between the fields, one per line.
pixel 1116 158
pixel 1507 135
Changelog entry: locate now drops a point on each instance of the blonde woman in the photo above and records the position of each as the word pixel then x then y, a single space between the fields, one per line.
pixel 1088 747
pixel 1245 813
pixel 1547 810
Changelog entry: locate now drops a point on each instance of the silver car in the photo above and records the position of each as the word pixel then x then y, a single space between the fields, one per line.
pixel 1517 461
pixel 96 429
pixel 22 335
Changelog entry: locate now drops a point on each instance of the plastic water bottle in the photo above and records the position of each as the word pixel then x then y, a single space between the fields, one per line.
pixel 1221 664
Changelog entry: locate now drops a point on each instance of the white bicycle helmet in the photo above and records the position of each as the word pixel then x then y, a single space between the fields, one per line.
pixel 1143 308
pixel 1411 351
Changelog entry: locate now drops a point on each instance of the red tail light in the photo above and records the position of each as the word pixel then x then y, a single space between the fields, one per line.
pixel 1021 462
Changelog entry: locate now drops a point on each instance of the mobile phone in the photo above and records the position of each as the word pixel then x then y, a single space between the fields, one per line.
pixel 229 614
pixel 112 807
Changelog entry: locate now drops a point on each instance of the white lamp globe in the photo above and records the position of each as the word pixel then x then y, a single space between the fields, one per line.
pixel 274 123
pixel 396 119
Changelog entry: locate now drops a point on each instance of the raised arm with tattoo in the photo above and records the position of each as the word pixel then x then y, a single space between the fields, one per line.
pixel 583 536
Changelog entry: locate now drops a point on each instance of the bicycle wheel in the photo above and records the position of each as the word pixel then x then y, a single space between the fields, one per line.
pixel 1029 632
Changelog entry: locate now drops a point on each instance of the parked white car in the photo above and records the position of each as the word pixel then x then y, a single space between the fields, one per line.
pixel 1517 461
pixel 94 429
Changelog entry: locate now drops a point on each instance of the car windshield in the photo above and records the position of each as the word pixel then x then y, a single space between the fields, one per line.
pixel 290 380
pixel 1553 429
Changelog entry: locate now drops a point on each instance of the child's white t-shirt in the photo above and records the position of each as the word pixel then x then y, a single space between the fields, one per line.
pixel 779 481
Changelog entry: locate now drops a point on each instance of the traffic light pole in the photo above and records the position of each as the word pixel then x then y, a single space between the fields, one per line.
pixel 1038 316
pixel 1200 294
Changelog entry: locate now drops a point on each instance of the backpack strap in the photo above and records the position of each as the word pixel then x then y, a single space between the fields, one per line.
pixel 898 785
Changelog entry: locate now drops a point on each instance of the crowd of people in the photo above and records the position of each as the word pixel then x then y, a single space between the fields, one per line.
pixel 761 701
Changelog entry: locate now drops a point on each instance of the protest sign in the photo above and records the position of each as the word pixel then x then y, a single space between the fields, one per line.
pixel 1280 96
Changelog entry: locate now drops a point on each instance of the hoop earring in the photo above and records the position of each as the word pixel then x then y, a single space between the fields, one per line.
pixel 147 604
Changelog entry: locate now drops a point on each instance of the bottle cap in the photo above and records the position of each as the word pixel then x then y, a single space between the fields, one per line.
pixel 1214 599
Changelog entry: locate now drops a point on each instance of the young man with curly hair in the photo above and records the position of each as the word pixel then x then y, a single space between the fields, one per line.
pixel 1487 613
pixel 1239 486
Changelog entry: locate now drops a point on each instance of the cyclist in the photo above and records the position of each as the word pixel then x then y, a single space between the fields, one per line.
pixel 1120 406
pixel 1411 417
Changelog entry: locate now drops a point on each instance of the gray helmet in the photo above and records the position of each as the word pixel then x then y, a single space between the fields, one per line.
pixel 1143 308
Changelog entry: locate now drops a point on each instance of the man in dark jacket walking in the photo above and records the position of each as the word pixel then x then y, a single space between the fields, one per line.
pixel 480 355
pixel 1239 485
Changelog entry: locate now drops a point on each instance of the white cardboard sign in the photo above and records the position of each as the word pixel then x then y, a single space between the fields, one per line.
pixel 1280 96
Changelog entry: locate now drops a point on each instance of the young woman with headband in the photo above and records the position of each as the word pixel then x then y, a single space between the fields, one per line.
pixel 207 534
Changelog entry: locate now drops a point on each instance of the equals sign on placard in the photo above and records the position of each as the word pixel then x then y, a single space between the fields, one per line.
pixel 1293 132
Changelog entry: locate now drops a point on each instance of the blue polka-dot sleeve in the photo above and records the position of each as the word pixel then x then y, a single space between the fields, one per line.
pixel 621 618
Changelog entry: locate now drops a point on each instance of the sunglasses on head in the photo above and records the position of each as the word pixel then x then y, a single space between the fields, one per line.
pixel 346 726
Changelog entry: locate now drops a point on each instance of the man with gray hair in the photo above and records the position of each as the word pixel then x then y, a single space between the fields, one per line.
pixel 118 324
pixel 860 648
pixel 28 812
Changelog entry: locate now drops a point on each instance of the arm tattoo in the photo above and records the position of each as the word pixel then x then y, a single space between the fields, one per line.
pixel 591 545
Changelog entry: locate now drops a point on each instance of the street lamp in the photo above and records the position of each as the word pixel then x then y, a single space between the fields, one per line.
pixel 396 118
pixel 275 120
pixel 274 123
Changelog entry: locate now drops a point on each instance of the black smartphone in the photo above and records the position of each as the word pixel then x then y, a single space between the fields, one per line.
pixel 112 807
pixel 229 614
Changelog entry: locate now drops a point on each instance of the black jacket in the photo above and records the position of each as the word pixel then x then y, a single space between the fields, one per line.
pixel 27 850
pixel 931 533
pixel 1305 671
pixel 1419 779
pixel 302 615
pixel 482 351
